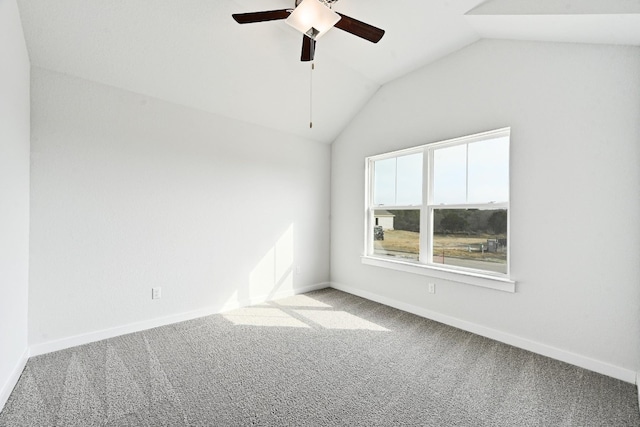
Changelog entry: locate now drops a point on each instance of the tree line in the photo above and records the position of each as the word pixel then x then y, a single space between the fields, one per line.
pixel 447 221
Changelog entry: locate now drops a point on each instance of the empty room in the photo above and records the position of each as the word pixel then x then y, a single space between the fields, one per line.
pixel 320 212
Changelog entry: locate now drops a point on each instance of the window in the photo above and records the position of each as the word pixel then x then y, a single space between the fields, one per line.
pixel 397 183
pixel 442 206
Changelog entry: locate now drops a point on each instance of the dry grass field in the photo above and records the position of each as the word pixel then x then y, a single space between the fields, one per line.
pixel 450 245
pixel 399 241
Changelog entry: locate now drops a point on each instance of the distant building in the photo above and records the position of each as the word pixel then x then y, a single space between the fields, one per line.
pixel 384 219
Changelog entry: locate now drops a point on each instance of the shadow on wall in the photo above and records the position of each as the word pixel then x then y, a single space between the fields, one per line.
pixel 272 276
pixel 274 272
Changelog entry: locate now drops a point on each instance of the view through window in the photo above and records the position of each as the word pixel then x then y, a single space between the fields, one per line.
pixel 444 204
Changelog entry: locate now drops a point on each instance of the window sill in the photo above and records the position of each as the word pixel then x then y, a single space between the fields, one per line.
pixel 469 278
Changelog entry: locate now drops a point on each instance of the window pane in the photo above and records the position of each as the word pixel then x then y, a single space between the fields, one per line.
pixel 471 238
pixel 384 182
pixel 409 178
pixel 489 171
pixel 450 175
pixel 397 233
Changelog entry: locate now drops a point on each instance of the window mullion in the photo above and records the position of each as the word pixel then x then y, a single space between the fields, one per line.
pixel 426 232
pixel 501 205
pixel 395 190
pixel 466 174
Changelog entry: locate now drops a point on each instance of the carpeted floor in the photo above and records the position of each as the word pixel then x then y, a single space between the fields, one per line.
pixel 320 359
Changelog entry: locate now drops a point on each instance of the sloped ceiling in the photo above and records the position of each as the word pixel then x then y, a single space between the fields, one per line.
pixel 573 21
pixel 191 52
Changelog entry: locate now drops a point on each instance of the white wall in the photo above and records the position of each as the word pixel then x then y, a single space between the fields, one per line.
pixel 130 193
pixel 574 112
pixel 14 197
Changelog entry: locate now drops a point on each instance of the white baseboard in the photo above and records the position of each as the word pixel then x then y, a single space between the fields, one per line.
pixel 76 340
pixel 638 387
pixel 11 382
pixel 594 365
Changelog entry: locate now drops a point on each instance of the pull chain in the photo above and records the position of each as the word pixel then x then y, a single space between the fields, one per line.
pixel 311 95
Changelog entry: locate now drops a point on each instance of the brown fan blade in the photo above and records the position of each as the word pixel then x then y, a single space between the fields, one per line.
pixel 308 49
pixel 359 28
pixel 267 15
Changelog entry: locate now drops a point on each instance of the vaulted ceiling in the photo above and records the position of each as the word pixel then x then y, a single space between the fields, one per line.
pixel 191 52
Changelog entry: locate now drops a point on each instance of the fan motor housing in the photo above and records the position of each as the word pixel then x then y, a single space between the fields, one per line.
pixel 326 2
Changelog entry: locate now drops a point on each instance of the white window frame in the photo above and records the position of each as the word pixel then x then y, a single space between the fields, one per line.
pixel 425 265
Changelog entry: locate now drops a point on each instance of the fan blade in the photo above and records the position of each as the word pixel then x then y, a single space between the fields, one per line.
pixel 267 15
pixel 359 28
pixel 308 49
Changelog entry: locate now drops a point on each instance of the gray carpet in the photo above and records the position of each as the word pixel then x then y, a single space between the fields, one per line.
pixel 320 359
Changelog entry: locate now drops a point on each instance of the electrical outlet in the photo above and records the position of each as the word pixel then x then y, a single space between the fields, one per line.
pixel 298 270
pixel 156 293
pixel 432 288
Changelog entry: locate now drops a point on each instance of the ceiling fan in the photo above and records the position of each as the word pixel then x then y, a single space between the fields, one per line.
pixel 313 18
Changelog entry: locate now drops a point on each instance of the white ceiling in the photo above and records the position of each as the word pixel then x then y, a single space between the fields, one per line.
pixel 191 52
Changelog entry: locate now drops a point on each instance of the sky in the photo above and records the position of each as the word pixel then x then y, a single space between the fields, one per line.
pixel 476 172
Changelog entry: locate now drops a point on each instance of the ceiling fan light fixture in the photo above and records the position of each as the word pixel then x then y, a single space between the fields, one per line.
pixel 312 18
